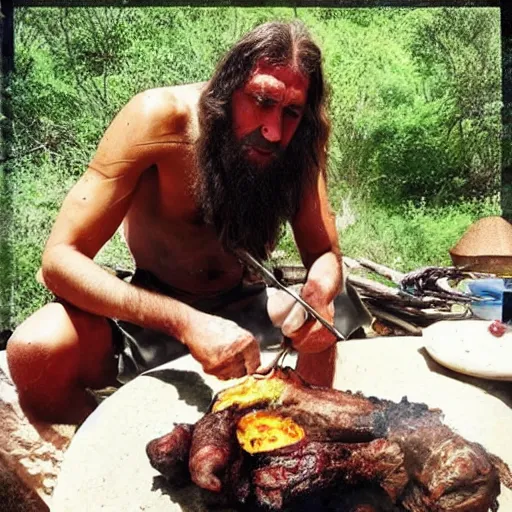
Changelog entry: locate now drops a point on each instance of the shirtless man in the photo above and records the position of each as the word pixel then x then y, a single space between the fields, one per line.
pixel 192 173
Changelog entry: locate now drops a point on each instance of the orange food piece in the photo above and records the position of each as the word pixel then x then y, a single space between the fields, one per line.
pixel 263 431
pixel 251 391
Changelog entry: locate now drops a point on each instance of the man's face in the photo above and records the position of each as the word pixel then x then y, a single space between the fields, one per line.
pixel 267 110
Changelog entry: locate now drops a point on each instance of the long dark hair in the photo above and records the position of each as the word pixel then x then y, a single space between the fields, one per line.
pixel 279 43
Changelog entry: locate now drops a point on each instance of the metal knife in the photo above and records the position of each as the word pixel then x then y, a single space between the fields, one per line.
pixel 248 259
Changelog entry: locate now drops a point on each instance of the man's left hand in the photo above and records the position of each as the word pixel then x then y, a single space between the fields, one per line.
pixel 308 335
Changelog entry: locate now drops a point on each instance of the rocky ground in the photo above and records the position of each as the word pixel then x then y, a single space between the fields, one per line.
pixel 31 453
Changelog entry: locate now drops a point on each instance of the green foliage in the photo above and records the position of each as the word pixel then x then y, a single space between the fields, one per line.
pixel 411 236
pixel 36 199
pixel 6 270
pixel 457 53
pixel 414 103
pixel 409 157
pixel 405 237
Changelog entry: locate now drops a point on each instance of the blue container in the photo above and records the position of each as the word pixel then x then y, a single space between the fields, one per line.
pixel 506 311
pixel 491 291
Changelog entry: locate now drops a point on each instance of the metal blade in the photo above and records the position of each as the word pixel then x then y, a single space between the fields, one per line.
pixel 278 360
pixel 245 257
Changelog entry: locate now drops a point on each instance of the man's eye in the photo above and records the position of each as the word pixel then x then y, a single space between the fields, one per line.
pixel 264 102
pixel 292 113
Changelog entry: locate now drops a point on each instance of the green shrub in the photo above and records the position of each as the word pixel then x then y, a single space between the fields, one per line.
pixel 411 133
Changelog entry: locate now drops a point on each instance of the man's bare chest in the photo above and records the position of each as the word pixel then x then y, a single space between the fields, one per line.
pixel 166 234
pixel 168 188
pixel 165 210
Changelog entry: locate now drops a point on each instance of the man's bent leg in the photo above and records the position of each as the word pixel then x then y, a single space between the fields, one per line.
pixel 56 354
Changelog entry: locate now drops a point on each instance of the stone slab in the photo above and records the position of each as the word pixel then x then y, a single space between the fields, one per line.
pixel 106 467
pixel 479 410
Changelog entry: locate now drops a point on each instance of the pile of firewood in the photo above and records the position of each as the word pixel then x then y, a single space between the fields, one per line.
pixel 401 303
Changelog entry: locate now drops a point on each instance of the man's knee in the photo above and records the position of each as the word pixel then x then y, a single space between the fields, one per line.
pixel 44 350
pixel 63 346
pixel 53 356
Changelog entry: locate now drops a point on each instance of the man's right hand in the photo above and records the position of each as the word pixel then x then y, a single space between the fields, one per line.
pixel 222 347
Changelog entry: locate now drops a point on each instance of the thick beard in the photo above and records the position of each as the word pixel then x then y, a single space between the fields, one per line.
pixel 246 203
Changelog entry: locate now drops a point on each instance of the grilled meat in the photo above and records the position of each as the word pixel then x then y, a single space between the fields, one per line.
pixel 169 454
pixel 273 441
pixel 295 471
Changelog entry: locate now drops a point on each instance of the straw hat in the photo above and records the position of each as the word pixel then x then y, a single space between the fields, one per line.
pixel 485 247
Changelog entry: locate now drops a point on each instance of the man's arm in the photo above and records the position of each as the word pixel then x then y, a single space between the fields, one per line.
pixel 94 209
pixel 315 233
pixel 90 215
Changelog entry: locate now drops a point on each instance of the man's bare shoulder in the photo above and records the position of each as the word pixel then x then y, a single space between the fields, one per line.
pixel 169 110
pixel 150 126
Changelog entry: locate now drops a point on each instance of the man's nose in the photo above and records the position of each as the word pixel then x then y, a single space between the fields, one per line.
pixel 272 128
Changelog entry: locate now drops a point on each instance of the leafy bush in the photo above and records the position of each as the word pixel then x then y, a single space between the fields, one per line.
pixel 411 236
pixel 414 102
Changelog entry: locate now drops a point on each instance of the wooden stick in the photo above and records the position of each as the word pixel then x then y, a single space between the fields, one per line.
pixel 429 314
pixel 448 298
pixel 381 291
pixel 290 274
pixel 443 284
pixel 382 270
pixel 388 317
pixel 351 263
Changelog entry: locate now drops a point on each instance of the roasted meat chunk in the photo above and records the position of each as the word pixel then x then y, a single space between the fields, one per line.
pixel 170 453
pixel 295 471
pixel 273 442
